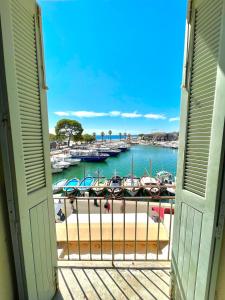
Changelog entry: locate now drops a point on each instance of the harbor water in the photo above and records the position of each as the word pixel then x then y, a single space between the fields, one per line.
pixel 161 158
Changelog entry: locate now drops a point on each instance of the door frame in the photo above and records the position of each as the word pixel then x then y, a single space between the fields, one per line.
pixel 219 227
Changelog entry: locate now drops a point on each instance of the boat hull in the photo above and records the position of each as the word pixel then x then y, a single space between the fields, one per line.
pixel 91 158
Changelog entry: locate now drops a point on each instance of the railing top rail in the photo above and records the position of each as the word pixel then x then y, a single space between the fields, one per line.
pixel 121 198
pixel 118 186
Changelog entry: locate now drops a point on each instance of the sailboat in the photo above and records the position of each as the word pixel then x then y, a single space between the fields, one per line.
pixel 100 183
pixel 115 181
pixel 132 183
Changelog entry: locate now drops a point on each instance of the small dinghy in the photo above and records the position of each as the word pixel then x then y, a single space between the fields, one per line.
pixel 132 185
pixel 71 185
pixel 115 181
pixel 86 183
pixel 100 184
pixel 58 185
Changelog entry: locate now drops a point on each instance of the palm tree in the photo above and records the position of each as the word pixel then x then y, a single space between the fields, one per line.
pixel 125 135
pixel 94 135
pixel 120 135
pixel 102 134
pixel 110 133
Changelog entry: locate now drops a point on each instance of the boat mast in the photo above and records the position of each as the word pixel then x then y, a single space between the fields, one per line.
pixel 84 171
pixel 98 175
pixel 132 170
pixel 150 167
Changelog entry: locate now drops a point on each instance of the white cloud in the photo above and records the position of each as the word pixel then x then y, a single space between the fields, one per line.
pixel 61 113
pixel 174 119
pixel 155 116
pixel 88 114
pixel 114 113
pixel 131 115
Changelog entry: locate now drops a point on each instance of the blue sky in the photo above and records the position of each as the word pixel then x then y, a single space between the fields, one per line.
pixel 114 64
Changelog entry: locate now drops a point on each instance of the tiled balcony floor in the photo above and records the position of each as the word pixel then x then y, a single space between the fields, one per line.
pixel 124 280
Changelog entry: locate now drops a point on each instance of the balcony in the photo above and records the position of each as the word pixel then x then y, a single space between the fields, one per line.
pixel 120 253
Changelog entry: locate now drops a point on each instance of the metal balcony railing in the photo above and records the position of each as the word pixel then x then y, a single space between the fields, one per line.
pixel 114 227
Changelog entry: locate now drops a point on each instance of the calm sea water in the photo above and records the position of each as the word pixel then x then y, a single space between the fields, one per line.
pixel 162 159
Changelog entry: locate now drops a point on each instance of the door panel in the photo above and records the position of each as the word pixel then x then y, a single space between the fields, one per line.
pixel 28 127
pixel 200 150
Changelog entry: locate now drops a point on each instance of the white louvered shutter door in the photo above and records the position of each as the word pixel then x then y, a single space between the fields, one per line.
pixel 22 46
pixel 200 151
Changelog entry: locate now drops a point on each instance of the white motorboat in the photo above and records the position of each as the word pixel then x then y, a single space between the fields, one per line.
pixel 73 161
pixel 165 177
pixel 67 158
pixel 62 164
pixel 56 170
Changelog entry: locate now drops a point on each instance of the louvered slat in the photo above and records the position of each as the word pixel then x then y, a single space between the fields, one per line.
pixel 29 96
pixel 207 23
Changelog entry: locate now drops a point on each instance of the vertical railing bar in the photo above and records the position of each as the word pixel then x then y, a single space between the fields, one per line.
pixel 112 233
pixel 67 236
pixel 101 226
pixel 135 239
pixel 170 227
pixel 146 250
pixel 89 227
pixel 124 228
pixel 78 230
pixel 157 255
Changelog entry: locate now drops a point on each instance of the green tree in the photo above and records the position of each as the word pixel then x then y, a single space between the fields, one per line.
pixel 102 135
pixel 70 129
pixel 120 135
pixel 88 138
pixel 110 134
pixel 94 135
pixel 52 137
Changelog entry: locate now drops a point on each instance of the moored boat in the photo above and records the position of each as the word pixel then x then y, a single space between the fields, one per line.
pixel 165 177
pixel 99 185
pixel 115 182
pixel 110 152
pixel 58 185
pixel 132 185
pixel 56 169
pixel 71 185
pixel 148 181
pixel 89 155
pixel 86 183
pixel 66 158
pixel 150 185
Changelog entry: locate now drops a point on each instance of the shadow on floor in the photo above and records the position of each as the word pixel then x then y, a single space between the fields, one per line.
pixel 105 283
